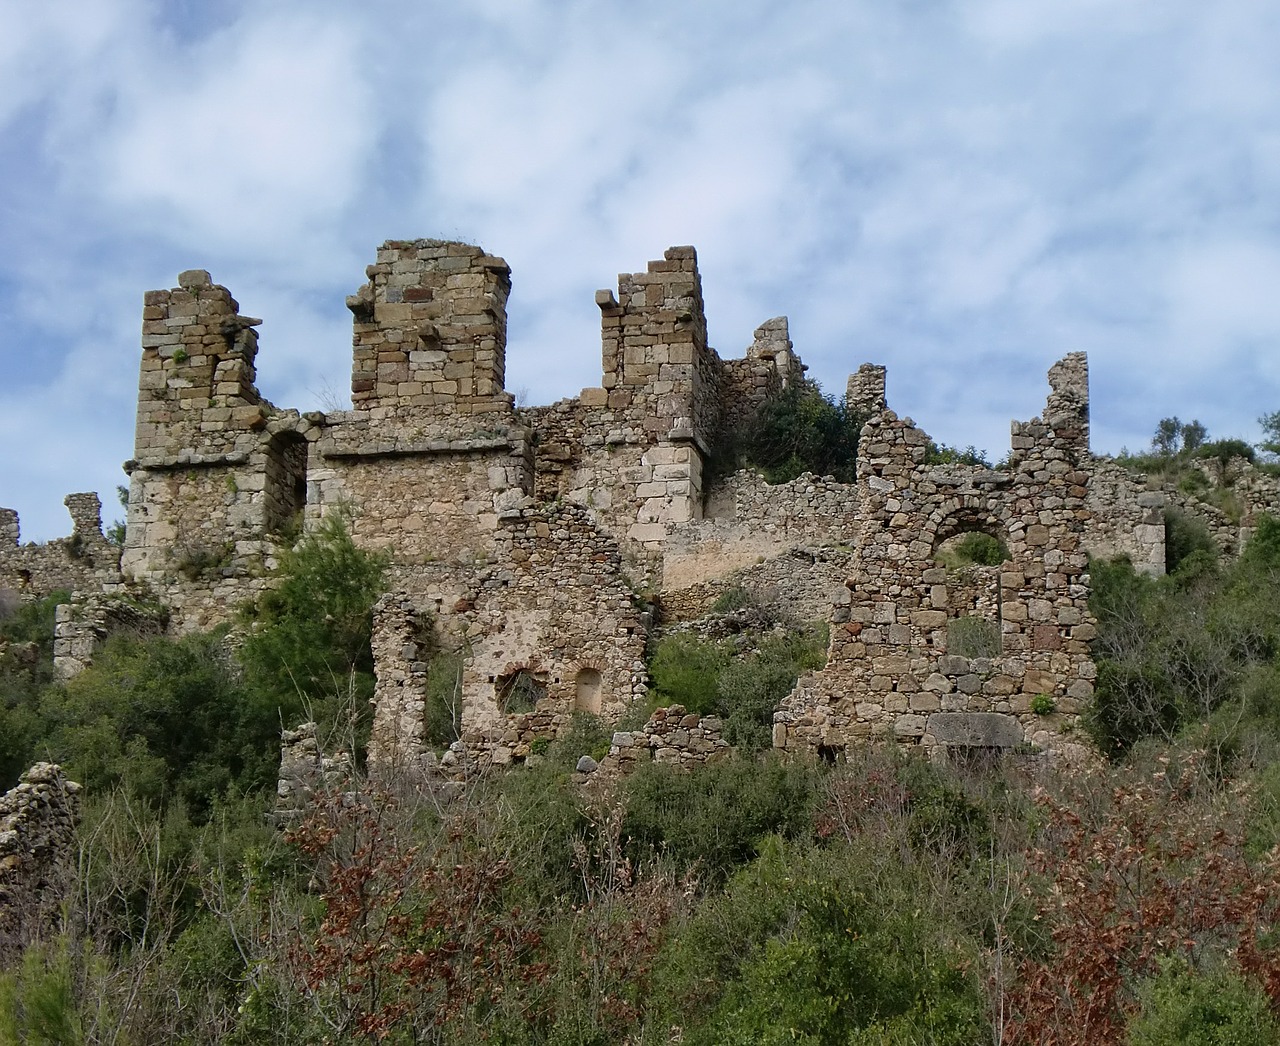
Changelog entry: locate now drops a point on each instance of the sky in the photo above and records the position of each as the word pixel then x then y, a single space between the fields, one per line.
pixel 962 190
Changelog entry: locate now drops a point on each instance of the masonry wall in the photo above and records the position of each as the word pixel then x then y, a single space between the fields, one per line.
pixel 218 474
pixel 558 608
pixel 85 561
pixel 37 856
pixel 425 506
pixel 430 333
pixel 748 520
pixel 890 672
pixel 553 622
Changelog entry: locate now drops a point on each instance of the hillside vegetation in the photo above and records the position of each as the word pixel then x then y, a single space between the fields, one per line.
pixel 882 899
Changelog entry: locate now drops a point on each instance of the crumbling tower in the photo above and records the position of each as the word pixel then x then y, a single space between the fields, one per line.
pixel 430 333
pixel 217 471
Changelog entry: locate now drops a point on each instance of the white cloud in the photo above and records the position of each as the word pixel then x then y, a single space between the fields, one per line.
pixel 250 137
pixel 962 191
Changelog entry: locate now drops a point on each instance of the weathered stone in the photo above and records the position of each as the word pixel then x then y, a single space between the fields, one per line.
pixel 976 729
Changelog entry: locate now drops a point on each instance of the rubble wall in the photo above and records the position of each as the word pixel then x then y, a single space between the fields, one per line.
pixel 890 669
pixel 38 854
pixel 83 562
pixel 524 536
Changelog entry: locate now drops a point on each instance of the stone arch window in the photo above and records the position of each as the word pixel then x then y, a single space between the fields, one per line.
pixel 285 482
pixel 966 583
pixel 588 687
pixel 520 691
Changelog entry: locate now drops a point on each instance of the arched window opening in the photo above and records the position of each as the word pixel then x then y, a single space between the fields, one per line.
pixel 588 687
pixel 970 594
pixel 520 691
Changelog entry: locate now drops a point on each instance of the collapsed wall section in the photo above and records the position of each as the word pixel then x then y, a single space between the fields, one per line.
pixel 552 628
pixel 769 367
pixel 918 643
pixel 83 562
pixel 635 450
pixel 748 521
pixel 37 856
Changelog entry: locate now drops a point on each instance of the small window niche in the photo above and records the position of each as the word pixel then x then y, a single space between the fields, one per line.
pixel 588 687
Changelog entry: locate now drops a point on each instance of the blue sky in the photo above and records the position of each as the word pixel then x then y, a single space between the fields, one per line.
pixel 963 191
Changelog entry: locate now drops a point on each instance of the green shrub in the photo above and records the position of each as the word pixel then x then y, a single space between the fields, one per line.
pixel 538 813
pixel 588 734
pixel 819 946
pixel 942 454
pixel 982 549
pixel 744 691
pixel 38 1005
pixel 973 637
pixel 713 820
pixel 32 622
pixel 166 719
pixel 799 431
pixel 1044 704
pixel 444 700
pixel 1184 536
pixel 734 598
pixel 308 652
pixel 685 671
pixel 1181 1006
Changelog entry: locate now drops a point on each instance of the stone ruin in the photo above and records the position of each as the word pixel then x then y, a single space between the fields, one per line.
pixel 547 544
pixel 38 851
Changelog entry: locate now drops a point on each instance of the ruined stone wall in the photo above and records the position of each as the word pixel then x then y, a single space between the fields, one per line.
pixel 671 736
pixel 196 393
pixel 305 770
pixel 218 474
pixel 1127 518
pixel 769 366
pixel 37 855
pixel 423 502
pixel 558 606
pixel 889 667
pixel 552 627
pixel 660 375
pixel 401 652
pixel 430 333
pixel 865 391
pixel 1129 509
pixel 81 627
pixel 802 583
pixel 85 561
pixel 748 520
pixel 522 535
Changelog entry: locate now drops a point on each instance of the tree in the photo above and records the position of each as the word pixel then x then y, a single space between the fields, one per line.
pixel 1175 437
pixel 1271 429
pixel 1193 436
pixel 309 648
pixel 802 430
pixel 1165 440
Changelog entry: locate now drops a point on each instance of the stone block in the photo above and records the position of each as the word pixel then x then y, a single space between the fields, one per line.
pixel 975 729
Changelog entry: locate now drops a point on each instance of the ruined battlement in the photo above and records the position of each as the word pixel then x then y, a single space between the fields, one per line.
pixel 522 536
pixel 196 394
pixel 430 332
pixel 85 561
